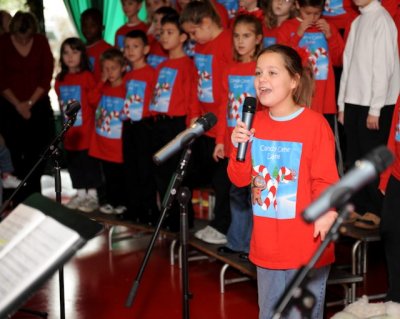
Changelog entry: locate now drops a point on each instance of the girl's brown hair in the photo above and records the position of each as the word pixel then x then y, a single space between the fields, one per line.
pixel 257 29
pixel 303 93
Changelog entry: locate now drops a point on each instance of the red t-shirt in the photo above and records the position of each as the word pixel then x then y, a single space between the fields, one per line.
pixel 76 86
pixel 122 31
pixel 157 54
pixel 211 60
pixel 289 163
pixel 323 54
pixel 175 90
pixel 139 90
pixel 106 142
pixel 340 13
pixel 94 52
pixel 23 75
pixel 237 84
pixel 394 146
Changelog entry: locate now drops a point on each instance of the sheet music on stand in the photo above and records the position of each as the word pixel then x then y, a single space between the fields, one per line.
pixel 36 238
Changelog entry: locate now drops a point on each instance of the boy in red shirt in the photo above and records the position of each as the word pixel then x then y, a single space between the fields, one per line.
pixel 174 103
pixel 106 143
pixel 92 28
pixel 131 9
pixel 137 131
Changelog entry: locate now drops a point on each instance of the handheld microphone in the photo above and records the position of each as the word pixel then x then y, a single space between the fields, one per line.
pixel 364 171
pixel 72 108
pixel 249 108
pixel 203 124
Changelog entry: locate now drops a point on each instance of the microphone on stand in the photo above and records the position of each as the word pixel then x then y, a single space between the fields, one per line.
pixel 72 108
pixel 249 108
pixel 363 172
pixel 203 124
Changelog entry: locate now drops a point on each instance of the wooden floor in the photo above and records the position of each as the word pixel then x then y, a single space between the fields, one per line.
pixel 97 283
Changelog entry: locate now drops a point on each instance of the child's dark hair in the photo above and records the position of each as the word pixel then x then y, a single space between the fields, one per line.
pixel 311 3
pixel 94 14
pixel 113 54
pixel 249 19
pixel 165 10
pixel 78 45
pixel 138 34
pixel 196 11
pixel 24 22
pixel 173 19
pixel 294 65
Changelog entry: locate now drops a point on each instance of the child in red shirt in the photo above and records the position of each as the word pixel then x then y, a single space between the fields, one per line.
pixel 92 29
pixel 106 143
pixel 213 53
pixel 131 9
pixel 390 218
pixel 238 83
pixel 74 83
pixel 157 54
pixel 289 162
pixel 137 131
pixel 275 13
pixel 174 104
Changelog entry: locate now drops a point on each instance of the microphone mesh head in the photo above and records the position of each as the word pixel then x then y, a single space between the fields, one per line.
pixel 208 120
pixel 249 104
pixel 381 157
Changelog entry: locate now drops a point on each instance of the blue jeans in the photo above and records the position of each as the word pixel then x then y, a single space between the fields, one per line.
pixel 272 284
pixel 239 232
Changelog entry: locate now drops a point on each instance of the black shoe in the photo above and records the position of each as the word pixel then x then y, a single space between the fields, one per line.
pixel 226 250
pixel 244 256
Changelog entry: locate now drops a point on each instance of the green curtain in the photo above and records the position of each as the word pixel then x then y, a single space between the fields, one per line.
pixel 113 16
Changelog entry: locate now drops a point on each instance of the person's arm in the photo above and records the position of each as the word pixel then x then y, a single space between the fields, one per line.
pixel 323 174
pixel 23 108
pixel 46 69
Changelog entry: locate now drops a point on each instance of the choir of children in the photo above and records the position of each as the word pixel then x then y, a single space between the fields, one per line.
pixel 152 91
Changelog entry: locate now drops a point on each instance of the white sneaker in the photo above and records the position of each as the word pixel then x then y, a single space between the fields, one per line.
pixel 89 204
pixel 11 181
pixel 120 210
pixel 213 236
pixel 75 202
pixel 107 209
pixel 202 232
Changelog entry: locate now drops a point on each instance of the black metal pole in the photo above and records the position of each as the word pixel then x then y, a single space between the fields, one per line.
pixel 296 291
pixel 169 196
pixel 184 196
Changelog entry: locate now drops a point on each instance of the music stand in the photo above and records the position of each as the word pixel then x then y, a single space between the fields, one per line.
pixel 51 151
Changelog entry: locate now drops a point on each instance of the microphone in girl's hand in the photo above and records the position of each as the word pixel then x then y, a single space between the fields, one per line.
pixel 249 108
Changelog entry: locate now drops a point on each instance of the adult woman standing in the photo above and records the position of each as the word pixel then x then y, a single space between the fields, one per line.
pixel 26 116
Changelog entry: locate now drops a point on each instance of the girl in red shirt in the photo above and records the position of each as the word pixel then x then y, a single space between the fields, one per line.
pixel 73 83
pixel 289 162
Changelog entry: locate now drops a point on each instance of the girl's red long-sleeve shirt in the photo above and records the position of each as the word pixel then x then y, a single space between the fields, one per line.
pixel 106 142
pixel 76 86
pixel 288 164
pixel 94 52
pixel 237 84
pixel 23 75
pixel 175 91
pixel 211 60
pixel 323 55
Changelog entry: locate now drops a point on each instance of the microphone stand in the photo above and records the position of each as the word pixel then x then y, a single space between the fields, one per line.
pixel 296 293
pixel 169 196
pixel 51 151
